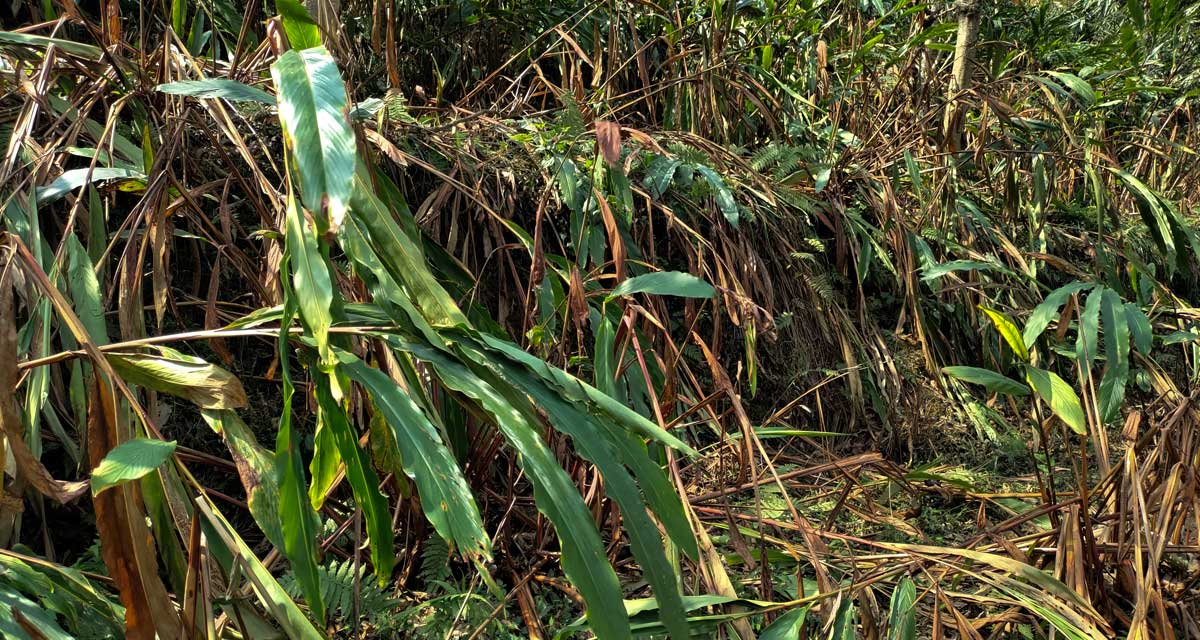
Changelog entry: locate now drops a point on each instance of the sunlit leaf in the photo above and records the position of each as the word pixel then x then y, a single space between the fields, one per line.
pixel 130 460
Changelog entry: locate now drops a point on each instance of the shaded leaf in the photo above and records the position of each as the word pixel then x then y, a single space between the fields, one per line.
pixel 130 460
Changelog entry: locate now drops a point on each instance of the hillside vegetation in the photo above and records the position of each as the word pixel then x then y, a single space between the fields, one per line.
pixel 550 319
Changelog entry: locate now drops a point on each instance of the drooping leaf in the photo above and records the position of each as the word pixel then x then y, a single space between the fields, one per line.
pixel 217 88
pixel 191 378
pixel 1078 86
pixel 361 476
pixel 1087 343
pixel 75 178
pixel 1008 330
pixel 445 496
pixel 272 596
pixel 256 469
pixel 313 110
pixel 1059 395
pixel 936 271
pixel 130 460
pixel 990 380
pixel 665 283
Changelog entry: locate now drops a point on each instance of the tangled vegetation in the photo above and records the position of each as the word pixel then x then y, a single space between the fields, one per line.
pixel 398 319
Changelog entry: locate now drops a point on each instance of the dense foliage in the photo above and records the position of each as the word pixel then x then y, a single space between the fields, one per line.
pixel 829 319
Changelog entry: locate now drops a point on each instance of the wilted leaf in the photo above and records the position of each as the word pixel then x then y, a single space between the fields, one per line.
pixel 207 385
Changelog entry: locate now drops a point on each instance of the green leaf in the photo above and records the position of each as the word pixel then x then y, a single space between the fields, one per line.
pixel 786 626
pixel 1082 90
pixel 1087 343
pixel 188 377
pixel 1059 395
pixel 445 496
pixel 1047 311
pixel 665 283
pixel 1008 329
pixel 42 42
pixel 217 88
pixel 401 257
pixel 75 178
pixel 902 614
pixel 298 520
pixel 1139 327
pixel 725 201
pixel 583 556
pixel 85 291
pixel 936 271
pixel 1111 394
pixel 844 626
pixel 130 460
pixel 363 481
pixel 660 174
pixel 301 29
pixel 272 596
pixel 256 470
pixel 310 278
pixel 313 111
pixel 990 380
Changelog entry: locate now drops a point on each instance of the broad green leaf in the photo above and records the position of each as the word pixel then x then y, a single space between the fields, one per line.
pixel 1139 328
pixel 31 613
pixel 302 31
pixel 445 496
pixel 902 613
pixel 188 377
pixel 1047 311
pixel 583 556
pixel 313 110
pixel 611 452
pixel 844 625
pixel 988 379
pixel 1155 214
pixel 130 460
pixel 660 174
pixel 665 283
pixel 1111 393
pixel 1008 330
pixel 725 201
pixel 75 178
pixel 363 481
pixel 311 279
pixel 1059 395
pixel 1080 87
pixel 401 257
pixel 786 626
pixel 217 88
